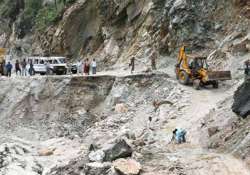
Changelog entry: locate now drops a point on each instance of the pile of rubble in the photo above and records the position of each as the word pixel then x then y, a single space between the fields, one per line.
pixel 111 158
pixel 18 159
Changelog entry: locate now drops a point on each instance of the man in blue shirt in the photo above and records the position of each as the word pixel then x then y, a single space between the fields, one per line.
pixel 8 69
pixel 179 135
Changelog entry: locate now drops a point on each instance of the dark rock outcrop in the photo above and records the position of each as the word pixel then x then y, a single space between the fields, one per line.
pixel 120 149
pixel 241 105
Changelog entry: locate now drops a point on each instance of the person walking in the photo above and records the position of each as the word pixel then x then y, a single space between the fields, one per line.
pixel 86 67
pixel 132 64
pixel 17 67
pixel 31 69
pixel 24 69
pixel 93 66
pixel 153 58
pixel 8 69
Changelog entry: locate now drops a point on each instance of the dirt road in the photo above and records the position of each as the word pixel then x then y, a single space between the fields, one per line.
pixel 199 161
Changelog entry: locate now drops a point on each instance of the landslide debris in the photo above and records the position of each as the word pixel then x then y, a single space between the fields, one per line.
pixel 60 117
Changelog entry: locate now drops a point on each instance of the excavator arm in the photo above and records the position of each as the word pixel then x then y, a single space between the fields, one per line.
pixel 183 60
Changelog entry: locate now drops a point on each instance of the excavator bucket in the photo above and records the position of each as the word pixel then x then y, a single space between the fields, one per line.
pixel 219 75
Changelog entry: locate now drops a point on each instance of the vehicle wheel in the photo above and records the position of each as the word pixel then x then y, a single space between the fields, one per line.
pixel 216 84
pixel 183 77
pixel 197 84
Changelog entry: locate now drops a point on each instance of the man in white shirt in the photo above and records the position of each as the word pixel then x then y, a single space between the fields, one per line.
pixel 93 66
pixel 79 67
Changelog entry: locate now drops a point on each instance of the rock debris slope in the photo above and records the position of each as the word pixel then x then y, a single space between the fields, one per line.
pixel 75 125
pixel 84 125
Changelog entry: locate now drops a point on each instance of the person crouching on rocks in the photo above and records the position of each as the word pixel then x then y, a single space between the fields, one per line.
pixel 179 135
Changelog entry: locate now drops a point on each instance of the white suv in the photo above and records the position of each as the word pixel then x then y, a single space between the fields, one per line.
pixel 56 65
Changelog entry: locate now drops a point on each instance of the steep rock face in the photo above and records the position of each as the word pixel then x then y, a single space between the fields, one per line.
pixel 241 105
pixel 79 28
pixel 112 30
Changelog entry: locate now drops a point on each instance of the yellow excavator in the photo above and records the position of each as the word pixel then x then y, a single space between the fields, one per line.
pixel 2 61
pixel 193 69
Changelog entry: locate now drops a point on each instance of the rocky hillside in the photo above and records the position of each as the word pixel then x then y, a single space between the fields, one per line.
pixel 117 123
pixel 113 30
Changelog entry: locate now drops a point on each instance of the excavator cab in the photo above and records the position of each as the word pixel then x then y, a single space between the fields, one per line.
pixel 195 69
pixel 198 63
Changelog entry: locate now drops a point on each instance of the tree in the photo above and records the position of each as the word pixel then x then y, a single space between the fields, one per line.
pixel 60 1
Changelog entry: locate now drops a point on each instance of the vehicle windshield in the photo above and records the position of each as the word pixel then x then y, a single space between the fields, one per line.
pixel 205 65
pixel 55 62
pixel 62 60
pixel 200 62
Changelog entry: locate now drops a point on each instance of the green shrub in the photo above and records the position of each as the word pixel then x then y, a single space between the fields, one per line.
pixel 45 17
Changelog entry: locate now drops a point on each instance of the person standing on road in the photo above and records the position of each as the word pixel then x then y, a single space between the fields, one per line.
pixel 132 64
pixel 93 66
pixel 86 67
pixel 31 69
pixel 17 67
pixel 9 68
pixel 79 67
pixel 24 69
pixel 153 58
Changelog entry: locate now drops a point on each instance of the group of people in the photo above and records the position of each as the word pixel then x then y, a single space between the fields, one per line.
pixel 21 68
pixel 87 66
pixel 153 57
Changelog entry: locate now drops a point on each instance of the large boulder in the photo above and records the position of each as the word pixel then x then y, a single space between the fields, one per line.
pixel 241 105
pixel 127 167
pixel 119 149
